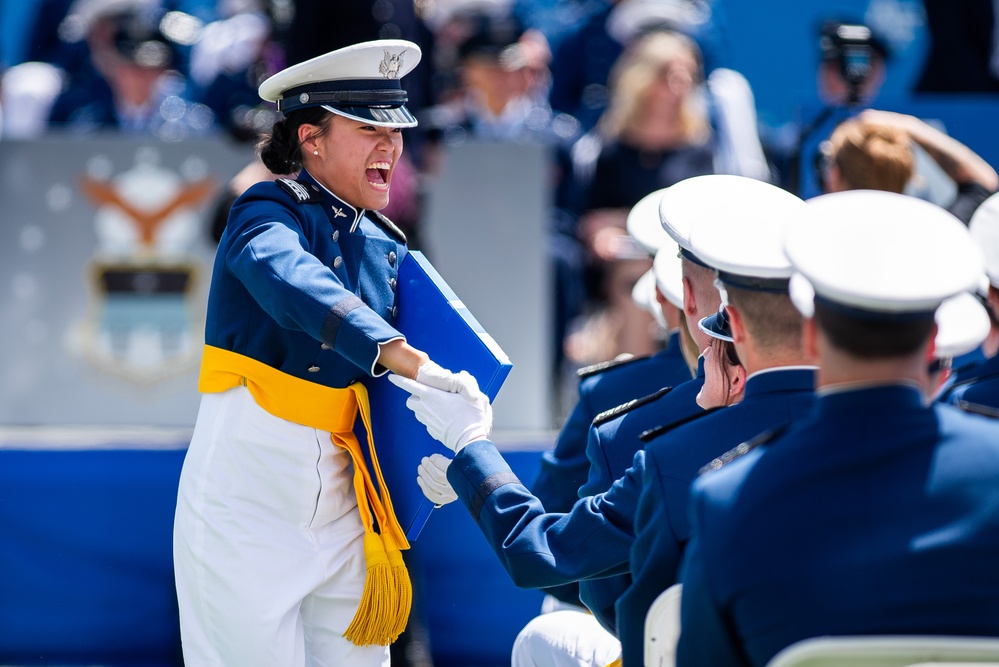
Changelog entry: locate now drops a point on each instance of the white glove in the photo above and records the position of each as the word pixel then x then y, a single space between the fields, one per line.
pixel 454 419
pixel 434 375
pixel 432 478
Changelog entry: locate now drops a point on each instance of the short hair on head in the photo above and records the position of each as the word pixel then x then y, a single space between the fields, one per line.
pixel 872 337
pixel 770 317
pixel 872 156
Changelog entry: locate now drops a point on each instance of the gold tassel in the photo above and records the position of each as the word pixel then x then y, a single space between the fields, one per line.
pixel 385 604
pixel 616 663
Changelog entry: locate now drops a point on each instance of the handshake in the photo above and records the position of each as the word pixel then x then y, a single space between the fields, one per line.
pixel 454 411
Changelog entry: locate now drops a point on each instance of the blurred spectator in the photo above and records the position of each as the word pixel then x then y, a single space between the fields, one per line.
pixel 585 54
pixel 501 84
pixel 655 132
pixel 850 73
pixel 232 56
pixel 127 82
pixel 499 93
pixel 963 48
pixel 874 151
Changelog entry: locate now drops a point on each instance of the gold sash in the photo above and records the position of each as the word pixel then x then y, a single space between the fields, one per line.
pixel 385 604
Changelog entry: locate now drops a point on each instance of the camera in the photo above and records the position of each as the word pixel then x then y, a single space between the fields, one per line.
pixel 854 48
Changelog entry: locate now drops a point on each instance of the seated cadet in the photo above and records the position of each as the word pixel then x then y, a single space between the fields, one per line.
pixel 762 323
pixel 635 382
pixel 979 384
pixel 569 634
pixel 606 385
pixel 963 324
pixel 594 539
pixel 875 514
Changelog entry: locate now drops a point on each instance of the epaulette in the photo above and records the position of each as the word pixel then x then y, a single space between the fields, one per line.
pixel 978 409
pixel 608 415
pixel 617 362
pixel 303 194
pixel 743 449
pixel 388 226
pixel 653 433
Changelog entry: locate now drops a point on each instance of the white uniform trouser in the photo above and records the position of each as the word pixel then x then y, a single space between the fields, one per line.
pixel 268 543
pixel 567 637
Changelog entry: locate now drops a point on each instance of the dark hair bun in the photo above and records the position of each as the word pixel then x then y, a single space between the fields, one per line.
pixel 279 150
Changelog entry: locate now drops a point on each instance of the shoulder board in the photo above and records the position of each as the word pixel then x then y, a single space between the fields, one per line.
pixel 303 194
pixel 743 449
pixel 608 415
pixel 388 226
pixel 653 433
pixel 979 409
pixel 596 369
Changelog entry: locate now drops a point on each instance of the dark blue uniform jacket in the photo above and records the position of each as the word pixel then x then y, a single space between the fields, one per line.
pixel 874 515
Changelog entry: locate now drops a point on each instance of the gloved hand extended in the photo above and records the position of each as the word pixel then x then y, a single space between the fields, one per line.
pixel 454 419
pixel 435 375
pixel 432 478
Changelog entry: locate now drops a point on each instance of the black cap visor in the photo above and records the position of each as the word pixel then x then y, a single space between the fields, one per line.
pixel 717 326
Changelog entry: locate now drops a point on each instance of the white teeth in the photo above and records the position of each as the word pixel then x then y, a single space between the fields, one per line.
pixel 380 165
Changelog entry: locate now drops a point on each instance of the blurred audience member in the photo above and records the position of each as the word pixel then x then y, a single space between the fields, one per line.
pixel 502 78
pixel 232 56
pixel 852 64
pixel 874 151
pixel 128 81
pixel 499 94
pixel 654 133
pixel 586 53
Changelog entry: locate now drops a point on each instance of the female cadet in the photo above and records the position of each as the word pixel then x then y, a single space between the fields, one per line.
pixel 286 552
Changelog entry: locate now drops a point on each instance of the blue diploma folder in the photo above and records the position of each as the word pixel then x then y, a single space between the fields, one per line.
pixel 434 320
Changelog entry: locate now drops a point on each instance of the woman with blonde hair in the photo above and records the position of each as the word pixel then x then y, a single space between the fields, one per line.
pixel 655 132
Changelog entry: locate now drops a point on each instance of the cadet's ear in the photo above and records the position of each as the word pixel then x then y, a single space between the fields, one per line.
pixel 736 324
pixel 689 300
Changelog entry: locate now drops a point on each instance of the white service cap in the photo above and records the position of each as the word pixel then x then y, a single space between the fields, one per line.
pixel 668 272
pixel 962 326
pixel 746 247
pixel 644 295
pixel 715 197
pixel 643 222
pixel 360 81
pixel 883 253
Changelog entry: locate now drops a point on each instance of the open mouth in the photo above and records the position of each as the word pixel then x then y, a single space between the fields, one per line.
pixel 377 174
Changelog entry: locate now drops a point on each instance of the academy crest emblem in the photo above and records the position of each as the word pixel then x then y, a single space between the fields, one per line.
pixel 142 322
pixel 391 65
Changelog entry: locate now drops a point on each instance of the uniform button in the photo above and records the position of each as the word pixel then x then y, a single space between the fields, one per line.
pixel 337 262
pixel 324 346
pixel 313 369
pixel 391 258
pixel 335 235
pixel 392 283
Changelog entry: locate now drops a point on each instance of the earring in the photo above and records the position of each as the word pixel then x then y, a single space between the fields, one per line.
pixel 315 152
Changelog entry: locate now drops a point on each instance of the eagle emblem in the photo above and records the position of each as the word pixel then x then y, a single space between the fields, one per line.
pixel 391 65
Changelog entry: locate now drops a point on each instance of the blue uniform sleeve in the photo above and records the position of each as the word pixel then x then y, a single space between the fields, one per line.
pixel 655 559
pixel 540 549
pixel 269 254
pixel 564 469
pixel 706 637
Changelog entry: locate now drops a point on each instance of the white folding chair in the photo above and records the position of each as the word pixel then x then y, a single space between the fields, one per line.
pixel 889 651
pixel 662 628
